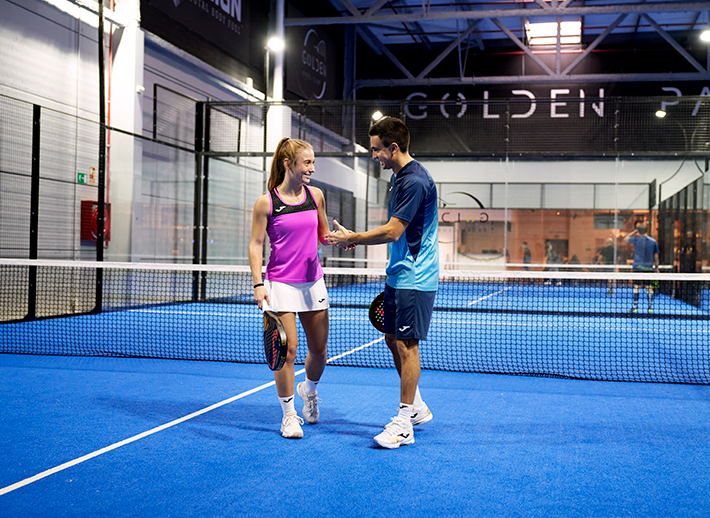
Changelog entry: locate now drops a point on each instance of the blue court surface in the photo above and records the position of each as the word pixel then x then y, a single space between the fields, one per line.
pixel 166 438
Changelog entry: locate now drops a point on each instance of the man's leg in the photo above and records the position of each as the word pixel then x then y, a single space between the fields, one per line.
pixel 410 369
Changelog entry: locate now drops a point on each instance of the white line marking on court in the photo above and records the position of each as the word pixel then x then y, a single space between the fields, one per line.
pixel 160 428
pixel 488 296
pixel 204 313
pixel 355 350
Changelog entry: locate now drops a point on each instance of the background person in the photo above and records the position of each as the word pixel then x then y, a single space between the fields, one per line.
pixel 645 261
pixel 527 256
pixel 607 257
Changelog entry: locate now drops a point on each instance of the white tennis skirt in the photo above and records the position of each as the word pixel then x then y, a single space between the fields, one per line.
pixel 294 298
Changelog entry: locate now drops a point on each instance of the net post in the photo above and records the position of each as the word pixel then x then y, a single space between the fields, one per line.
pixel 197 200
pixel 34 212
pixel 205 202
pixel 100 219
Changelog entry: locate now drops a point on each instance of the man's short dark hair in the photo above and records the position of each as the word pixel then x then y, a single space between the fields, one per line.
pixel 391 130
pixel 641 228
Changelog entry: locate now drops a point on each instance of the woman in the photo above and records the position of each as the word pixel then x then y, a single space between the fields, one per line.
pixel 293 216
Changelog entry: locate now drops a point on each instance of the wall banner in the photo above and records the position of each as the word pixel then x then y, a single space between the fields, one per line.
pixel 224 23
pixel 310 64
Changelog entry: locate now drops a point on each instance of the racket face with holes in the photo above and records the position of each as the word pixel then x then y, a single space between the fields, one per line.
pixel 377 312
pixel 275 342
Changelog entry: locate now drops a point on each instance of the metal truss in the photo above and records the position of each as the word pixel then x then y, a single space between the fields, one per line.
pixel 365 18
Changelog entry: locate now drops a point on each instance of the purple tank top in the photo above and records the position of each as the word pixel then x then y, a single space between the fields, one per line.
pixel 293 233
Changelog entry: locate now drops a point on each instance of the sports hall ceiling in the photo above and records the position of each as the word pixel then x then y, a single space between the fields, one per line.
pixel 435 42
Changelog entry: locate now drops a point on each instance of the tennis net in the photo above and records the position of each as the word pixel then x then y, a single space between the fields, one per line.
pixel 579 325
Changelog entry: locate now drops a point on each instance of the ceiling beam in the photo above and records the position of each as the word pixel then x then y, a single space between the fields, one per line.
pixel 542 4
pixel 375 7
pixel 653 7
pixel 448 49
pixel 673 43
pixel 350 7
pixel 380 49
pixel 522 46
pixel 587 52
pixel 534 79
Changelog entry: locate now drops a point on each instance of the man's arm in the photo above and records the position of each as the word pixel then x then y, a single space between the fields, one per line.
pixel 630 234
pixel 387 233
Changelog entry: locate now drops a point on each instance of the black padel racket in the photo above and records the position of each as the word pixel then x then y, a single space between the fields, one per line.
pixel 377 312
pixel 275 342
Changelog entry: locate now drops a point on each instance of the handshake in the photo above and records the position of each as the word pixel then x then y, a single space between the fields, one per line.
pixel 340 237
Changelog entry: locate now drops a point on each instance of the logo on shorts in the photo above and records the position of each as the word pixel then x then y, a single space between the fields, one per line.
pixel 320 301
pixel 404 328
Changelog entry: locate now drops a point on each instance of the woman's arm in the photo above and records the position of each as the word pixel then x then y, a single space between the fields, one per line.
pixel 323 228
pixel 260 218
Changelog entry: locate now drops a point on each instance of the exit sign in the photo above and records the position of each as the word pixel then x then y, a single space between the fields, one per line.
pixel 87 178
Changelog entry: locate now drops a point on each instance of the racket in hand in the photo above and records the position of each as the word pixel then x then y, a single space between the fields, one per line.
pixel 275 342
pixel 377 312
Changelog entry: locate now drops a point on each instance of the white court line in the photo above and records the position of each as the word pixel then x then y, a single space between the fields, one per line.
pixel 488 296
pixel 160 428
pixel 201 313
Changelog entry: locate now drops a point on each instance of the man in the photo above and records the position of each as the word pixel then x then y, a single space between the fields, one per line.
pixel 527 256
pixel 645 260
pixel 412 272
pixel 607 255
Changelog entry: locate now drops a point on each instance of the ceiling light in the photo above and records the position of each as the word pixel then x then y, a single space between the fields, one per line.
pixel 660 114
pixel 705 35
pixel 377 115
pixel 546 33
pixel 276 44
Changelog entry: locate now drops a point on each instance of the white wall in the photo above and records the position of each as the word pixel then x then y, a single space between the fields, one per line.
pixel 48 57
pixel 640 172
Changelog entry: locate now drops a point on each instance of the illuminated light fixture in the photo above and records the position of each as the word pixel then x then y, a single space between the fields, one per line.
pixel 705 35
pixel 377 115
pixel 660 114
pixel 546 33
pixel 276 44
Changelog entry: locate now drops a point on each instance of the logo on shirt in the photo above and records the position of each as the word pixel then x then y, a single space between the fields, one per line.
pixel 282 207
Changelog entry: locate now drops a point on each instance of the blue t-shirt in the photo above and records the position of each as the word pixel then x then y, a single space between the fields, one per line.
pixel 414 257
pixel 644 249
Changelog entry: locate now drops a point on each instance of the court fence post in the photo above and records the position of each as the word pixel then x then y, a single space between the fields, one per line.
pixel 34 212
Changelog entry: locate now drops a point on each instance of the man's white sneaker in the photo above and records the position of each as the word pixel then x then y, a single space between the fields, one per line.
pixel 291 426
pixel 397 433
pixel 310 403
pixel 421 416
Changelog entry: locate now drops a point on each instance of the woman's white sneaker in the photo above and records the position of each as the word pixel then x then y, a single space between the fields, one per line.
pixel 310 403
pixel 291 426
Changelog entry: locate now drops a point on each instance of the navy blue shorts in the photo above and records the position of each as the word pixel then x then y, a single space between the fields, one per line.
pixel 408 313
